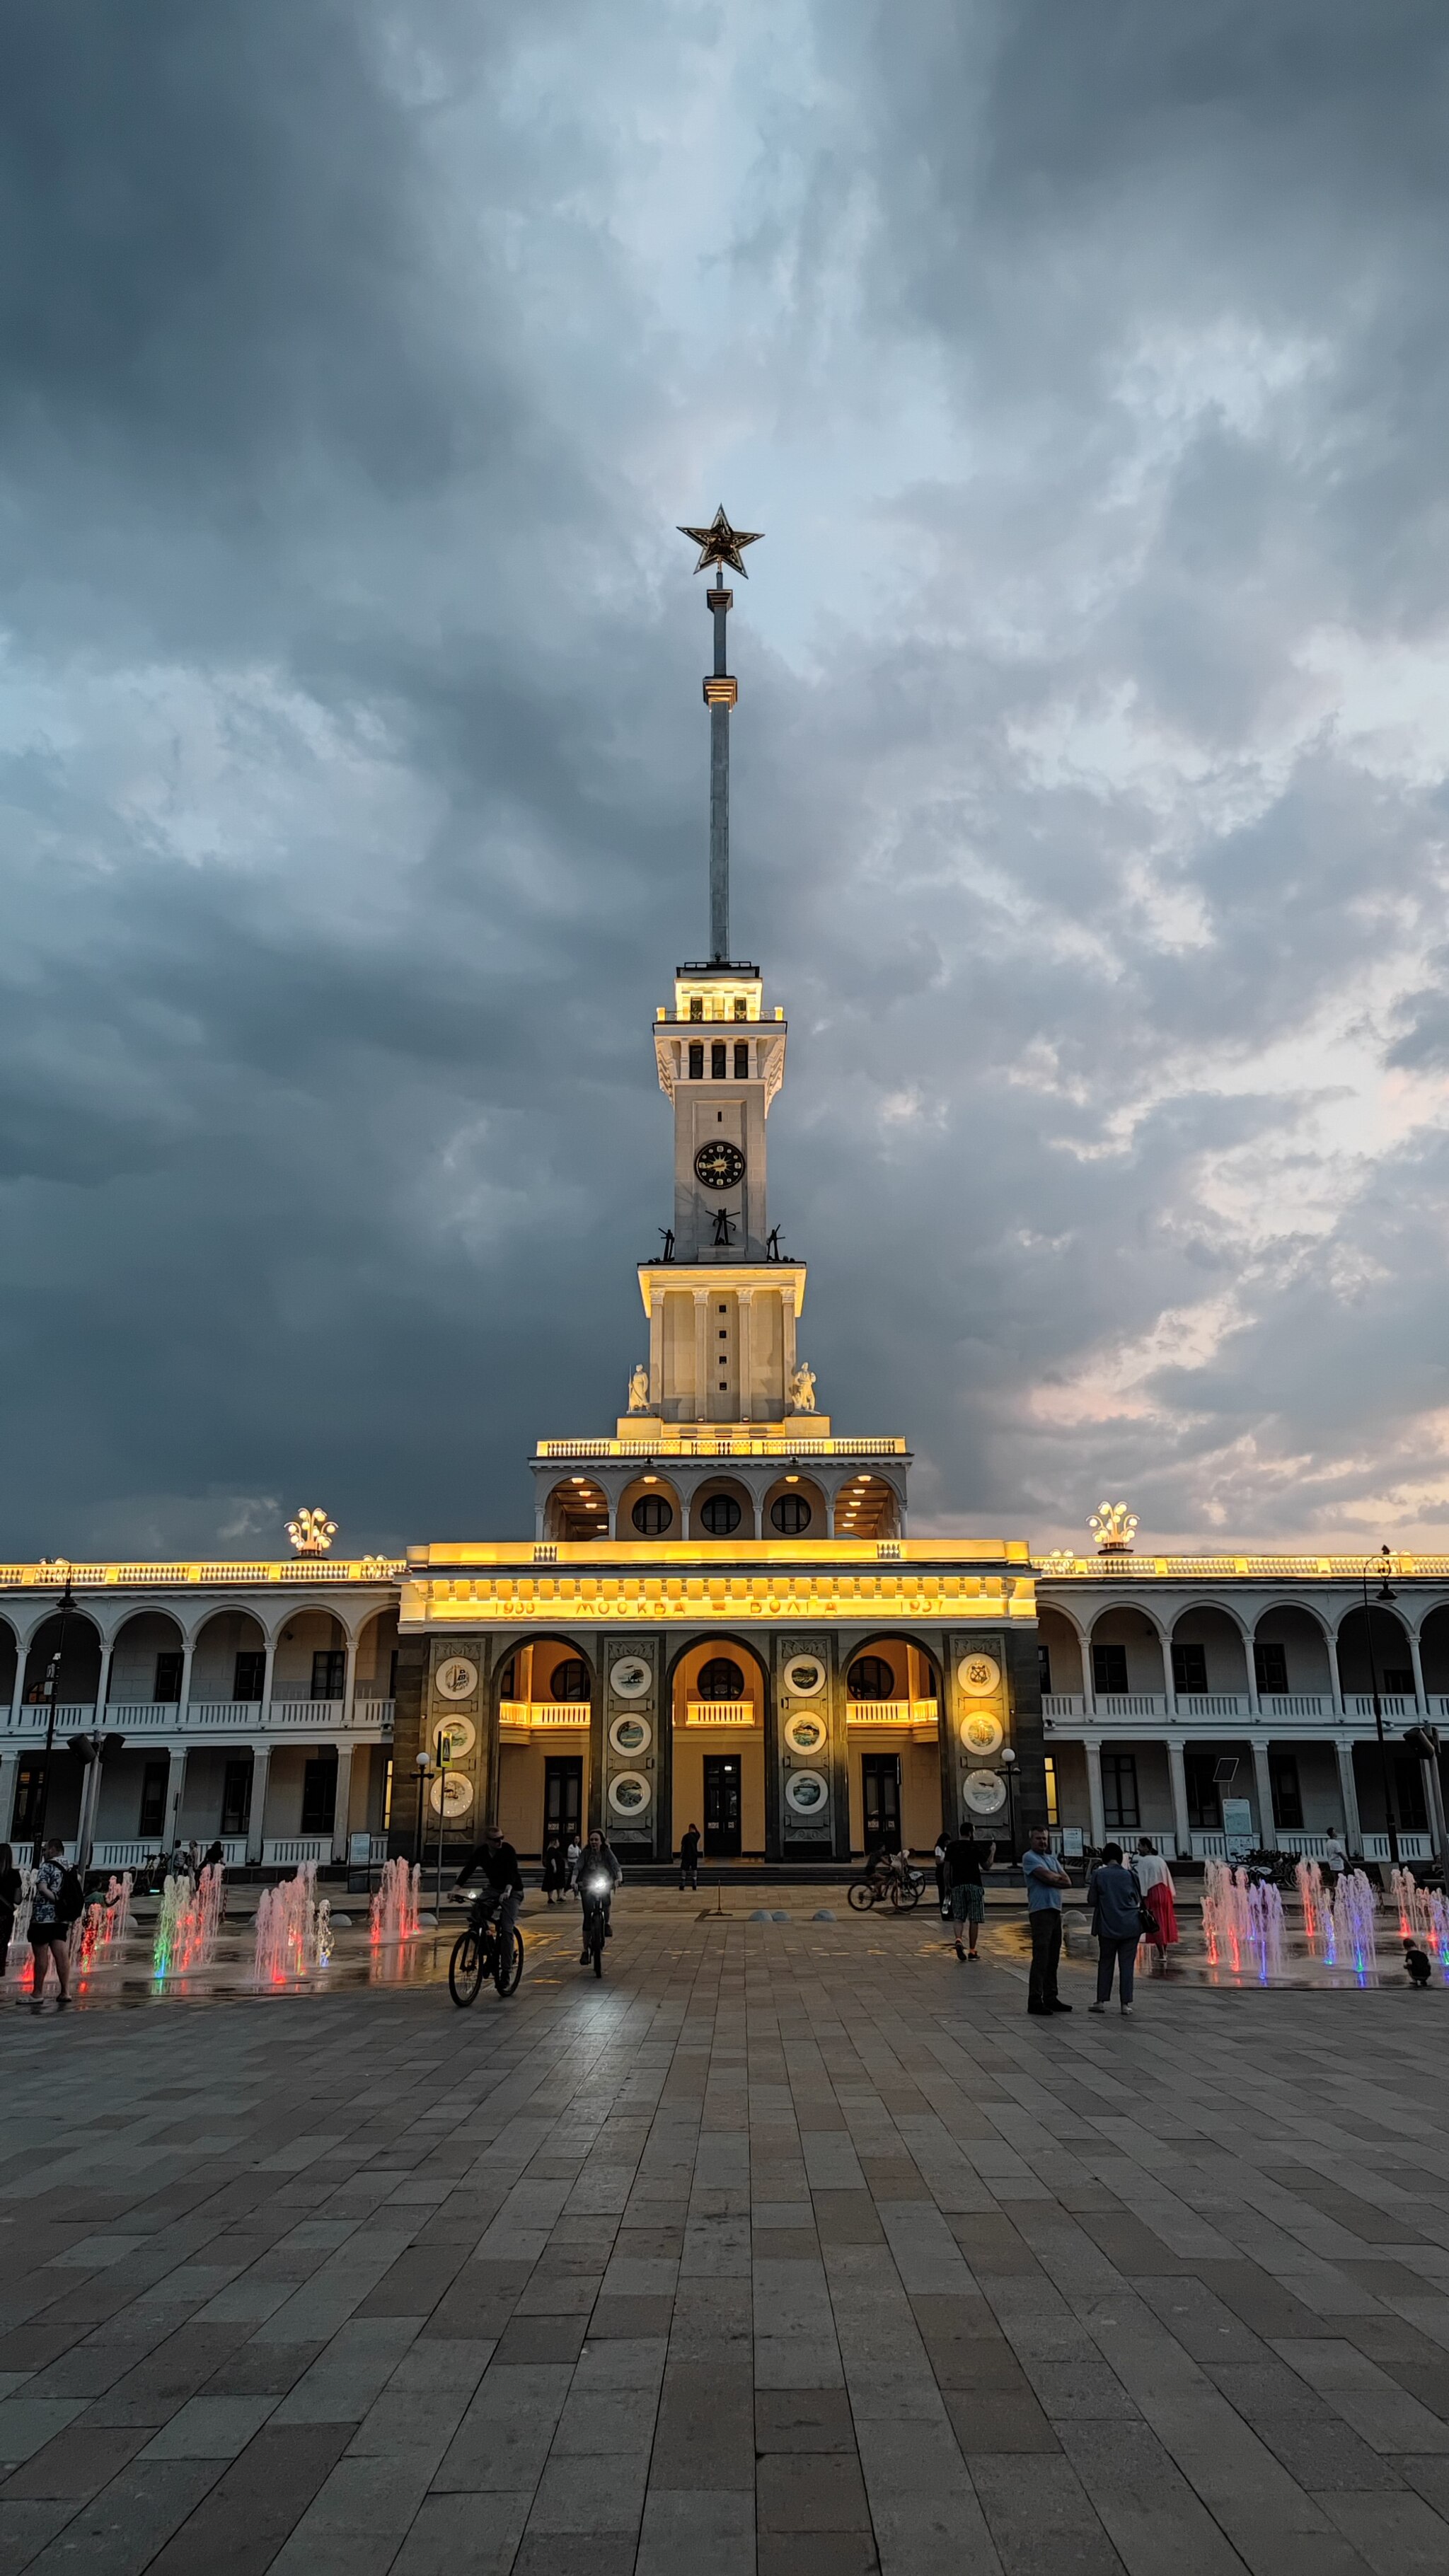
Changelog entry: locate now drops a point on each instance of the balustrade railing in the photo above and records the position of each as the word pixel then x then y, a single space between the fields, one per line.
pixel 153 1717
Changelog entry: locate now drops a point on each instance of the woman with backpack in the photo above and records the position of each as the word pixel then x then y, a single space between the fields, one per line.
pixel 56 1898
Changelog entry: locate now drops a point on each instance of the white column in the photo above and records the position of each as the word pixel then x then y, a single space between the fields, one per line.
pixel 188 1649
pixel 787 1324
pixel 103 1686
pixel 744 1301
pixel 1267 1829
pixel 1254 1703
pixel 656 1350
pixel 1419 1692
pixel 1177 1774
pixel 1094 1795
pixel 1348 1791
pixel 344 1799
pixel 265 1701
pixel 701 1352
pixel 176 1787
pixel 257 1826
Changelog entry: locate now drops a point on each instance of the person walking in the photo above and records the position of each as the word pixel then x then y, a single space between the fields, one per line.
pixel 572 1857
pixel 11 1889
pixel 55 1900
pixel 689 1857
pixel 964 1865
pixel 555 1869
pixel 1045 1878
pixel 1114 1902
pixel 943 1891
pixel 1159 1897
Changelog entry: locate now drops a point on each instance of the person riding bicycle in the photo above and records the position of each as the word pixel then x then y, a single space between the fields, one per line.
pixel 503 1893
pixel 597 1858
pixel 887 1860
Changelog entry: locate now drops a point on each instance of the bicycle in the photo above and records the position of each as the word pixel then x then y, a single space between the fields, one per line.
pixel 902 1884
pixel 479 1953
pixel 596 1894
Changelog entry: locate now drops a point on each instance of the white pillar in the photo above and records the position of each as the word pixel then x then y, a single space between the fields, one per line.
pixel 787 1323
pixel 1348 1791
pixel 1094 1795
pixel 1419 1691
pixel 656 1350
pixel 1250 1660
pixel 344 1797
pixel 1267 1827
pixel 701 1352
pixel 265 1701
pixel 1177 1774
pixel 177 1787
pixel 103 1686
pixel 744 1301
pixel 257 1826
pixel 188 1649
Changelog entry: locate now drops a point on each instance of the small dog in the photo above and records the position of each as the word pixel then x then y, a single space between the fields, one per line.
pixel 1417 1962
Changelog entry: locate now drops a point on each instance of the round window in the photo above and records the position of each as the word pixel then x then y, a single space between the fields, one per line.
pixel 870 1677
pixel 628 1793
pixel 721 1679
pixel 570 1679
pixel 790 1514
pixel 808 1792
pixel 720 1514
pixel 652 1516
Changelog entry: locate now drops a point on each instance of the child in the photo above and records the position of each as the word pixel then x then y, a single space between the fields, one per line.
pixel 1417 1963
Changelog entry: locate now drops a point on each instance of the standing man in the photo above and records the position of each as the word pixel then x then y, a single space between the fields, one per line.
pixel 965 1862
pixel 689 1857
pixel 1045 1880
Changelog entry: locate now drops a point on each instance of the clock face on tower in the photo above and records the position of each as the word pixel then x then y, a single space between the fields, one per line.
pixel 720 1166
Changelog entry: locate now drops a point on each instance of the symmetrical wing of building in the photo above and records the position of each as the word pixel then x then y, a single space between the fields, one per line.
pixel 720 1617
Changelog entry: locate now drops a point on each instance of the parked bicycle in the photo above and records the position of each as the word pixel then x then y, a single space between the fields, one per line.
pixel 481 1951
pixel 898 1884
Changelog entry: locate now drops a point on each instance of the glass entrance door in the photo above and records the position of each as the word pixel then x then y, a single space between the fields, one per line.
pixel 880 1786
pixel 721 1806
pixel 563 1796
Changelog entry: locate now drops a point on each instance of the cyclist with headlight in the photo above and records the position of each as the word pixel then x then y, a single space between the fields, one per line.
pixel 599 1875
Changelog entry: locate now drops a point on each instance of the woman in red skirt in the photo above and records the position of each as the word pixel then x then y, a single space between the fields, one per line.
pixel 1155 1880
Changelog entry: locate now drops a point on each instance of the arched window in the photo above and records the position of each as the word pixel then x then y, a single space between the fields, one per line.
pixel 870 1677
pixel 721 1679
pixel 790 1514
pixel 652 1516
pixel 696 1059
pixel 720 1515
pixel 718 1054
pixel 570 1680
pixel 742 1059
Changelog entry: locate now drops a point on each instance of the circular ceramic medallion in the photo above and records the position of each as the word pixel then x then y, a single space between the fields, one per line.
pixel 453 1736
pixel 628 1793
pixel 979 1675
pixel 450 1794
pixel 984 1792
pixel 808 1792
pixel 631 1735
pixel 805 1732
pixel 804 1676
pixel 456 1679
pixel 630 1677
pixel 981 1731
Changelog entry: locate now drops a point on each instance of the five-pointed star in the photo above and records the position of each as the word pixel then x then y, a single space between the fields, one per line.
pixel 720 543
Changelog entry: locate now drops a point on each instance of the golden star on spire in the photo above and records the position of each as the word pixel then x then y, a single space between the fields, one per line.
pixel 720 543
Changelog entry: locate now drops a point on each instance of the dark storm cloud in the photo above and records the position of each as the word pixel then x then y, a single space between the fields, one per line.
pixel 358 364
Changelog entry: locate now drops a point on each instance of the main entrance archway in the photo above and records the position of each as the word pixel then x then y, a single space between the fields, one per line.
pixel 719 1697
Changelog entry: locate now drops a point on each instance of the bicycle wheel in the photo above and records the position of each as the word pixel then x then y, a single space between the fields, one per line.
pixel 508 1967
pixel 860 1895
pixel 910 1894
pixel 465 1968
pixel 596 1945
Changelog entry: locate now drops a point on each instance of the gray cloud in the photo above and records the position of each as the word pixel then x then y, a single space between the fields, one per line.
pixel 1086 372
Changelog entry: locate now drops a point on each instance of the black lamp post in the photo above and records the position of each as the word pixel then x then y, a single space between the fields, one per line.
pixel 67 1608
pixel 1384 1593
pixel 1008 1764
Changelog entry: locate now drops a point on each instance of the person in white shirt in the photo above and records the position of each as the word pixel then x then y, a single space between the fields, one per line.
pixel 1159 1896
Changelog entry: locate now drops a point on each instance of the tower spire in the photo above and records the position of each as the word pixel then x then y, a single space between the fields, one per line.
pixel 719 543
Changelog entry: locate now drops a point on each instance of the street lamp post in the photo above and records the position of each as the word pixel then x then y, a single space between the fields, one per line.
pixel 67 1607
pixel 1384 1593
pixel 1008 1764
pixel 425 1764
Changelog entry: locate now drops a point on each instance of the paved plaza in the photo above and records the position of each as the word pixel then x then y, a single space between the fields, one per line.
pixel 791 2246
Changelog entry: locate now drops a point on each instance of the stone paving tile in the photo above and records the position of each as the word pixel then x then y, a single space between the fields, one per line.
pixel 777 2251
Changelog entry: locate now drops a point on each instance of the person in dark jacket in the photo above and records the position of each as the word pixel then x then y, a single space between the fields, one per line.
pixel 597 1859
pixel 499 1863
pixel 1114 1901
pixel 555 1872
pixel 689 1857
pixel 966 1864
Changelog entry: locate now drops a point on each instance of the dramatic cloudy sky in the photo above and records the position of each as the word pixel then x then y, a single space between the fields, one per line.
pixel 1087 368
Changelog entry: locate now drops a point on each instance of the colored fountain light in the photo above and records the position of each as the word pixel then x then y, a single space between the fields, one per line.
pixel 188 1923
pixel 294 1929
pixel 1242 1922
pixel 394 1912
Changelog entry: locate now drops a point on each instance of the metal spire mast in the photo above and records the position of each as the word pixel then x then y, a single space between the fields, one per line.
pixel 719 543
